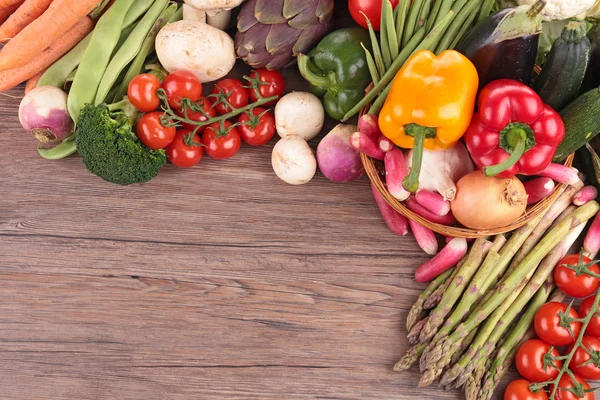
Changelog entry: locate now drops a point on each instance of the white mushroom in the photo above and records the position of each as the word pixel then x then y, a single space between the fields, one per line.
pixel 299 113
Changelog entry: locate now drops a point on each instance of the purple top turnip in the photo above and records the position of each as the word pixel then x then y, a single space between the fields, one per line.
pixel 337 160
pixel 43 113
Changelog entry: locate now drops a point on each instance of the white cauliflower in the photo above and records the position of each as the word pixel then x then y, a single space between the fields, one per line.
pixel 563 9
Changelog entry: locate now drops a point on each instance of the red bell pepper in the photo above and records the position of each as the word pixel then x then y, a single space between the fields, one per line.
pixel 513 132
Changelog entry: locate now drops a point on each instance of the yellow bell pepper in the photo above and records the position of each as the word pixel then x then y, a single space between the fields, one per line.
pixel 430 105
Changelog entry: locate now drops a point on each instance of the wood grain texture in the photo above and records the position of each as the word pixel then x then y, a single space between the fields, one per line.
pixel 219 282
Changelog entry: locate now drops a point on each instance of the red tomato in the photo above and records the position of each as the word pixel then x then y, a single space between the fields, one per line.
pixel 519 390
pixel 181 85
pixel 567 383
pixel 152 133
pixel 593 329
pixel 142 92
pixel 572 284
pixel 185 151
pixel 588 371
pixel 273 85
pixel 548 328
pixel 237 95
pixel 221 145
pixel 257 131
pixel 530 361
pixel 204 104
pixel 371 8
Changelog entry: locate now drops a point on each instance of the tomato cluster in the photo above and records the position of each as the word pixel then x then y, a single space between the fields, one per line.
pixel 184 136
pixel 559 325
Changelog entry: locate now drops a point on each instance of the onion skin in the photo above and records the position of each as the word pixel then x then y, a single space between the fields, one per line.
pixel 43 113
pixel 484 202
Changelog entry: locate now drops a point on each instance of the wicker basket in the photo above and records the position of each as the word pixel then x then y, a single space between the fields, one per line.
pixel 375 171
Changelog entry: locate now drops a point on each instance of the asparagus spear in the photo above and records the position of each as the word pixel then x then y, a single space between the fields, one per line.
pixel 413 335
pixel 553 212
pixel 416 312
pixel 410 357
pixel 443 351
pixel 522 332
pixel 473 385
pixel 476 256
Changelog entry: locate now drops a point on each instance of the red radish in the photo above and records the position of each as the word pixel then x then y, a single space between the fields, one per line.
pixel 366 145
pixel 424 237
pixel 449 238
pixel 395 172
pixel 385 144
pixel 368 125
pixel 448 257
pixel 337 160
pixel 538 189
pixel 394 220
pixel 561 174
pixel 591 243
pixel 433 202
pixel 586 194
pixel 415 207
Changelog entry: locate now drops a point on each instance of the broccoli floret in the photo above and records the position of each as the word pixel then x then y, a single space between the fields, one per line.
pixel 110 149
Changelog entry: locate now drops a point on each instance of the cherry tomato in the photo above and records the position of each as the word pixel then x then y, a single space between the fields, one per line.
pixel 181 85
pixel 530 361
pixel 519 390
pixel 588 371
pixel 548 328
pixel 572 284
pixel 221 145
pixel 152 133
pixel 371 8
pixel 185 151
pixel 263 130
pixel 274 85
pixel 593 329
pixel 567 383
pixel 237 95
pixel 142 92
pixel 206 105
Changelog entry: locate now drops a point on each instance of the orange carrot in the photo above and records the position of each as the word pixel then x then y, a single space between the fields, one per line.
pixel 33 81
pixel 7 11
pixel 44 31
pixel 8 3
pixel 26 14
pixel 13 77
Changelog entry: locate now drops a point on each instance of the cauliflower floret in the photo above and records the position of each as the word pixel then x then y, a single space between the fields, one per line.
pixel 563 9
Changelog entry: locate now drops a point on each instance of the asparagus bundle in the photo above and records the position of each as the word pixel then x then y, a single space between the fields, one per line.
pixel 481 310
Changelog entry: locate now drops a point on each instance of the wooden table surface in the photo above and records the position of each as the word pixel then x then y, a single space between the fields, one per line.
pixel 219 282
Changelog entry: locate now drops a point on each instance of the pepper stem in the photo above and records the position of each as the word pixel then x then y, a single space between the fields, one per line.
pixel 515 139
pixel 419 133
pixel 309 75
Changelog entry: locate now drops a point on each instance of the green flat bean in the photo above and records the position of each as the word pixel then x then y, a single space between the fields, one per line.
pixel 137 9
pixel 57 74
pixel 129 49
pixel 97 57
pixel 411 23
pixel 170 14
pixel 401 17
pixel 65 149
pixel 429 41
pixel 456 26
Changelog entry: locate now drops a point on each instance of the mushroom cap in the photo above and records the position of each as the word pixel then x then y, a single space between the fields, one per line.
pixel 214 5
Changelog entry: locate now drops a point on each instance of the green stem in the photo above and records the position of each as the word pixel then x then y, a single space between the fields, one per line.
pixel 309 75
pixel 509 162
pixel 419 133
pixel 516 138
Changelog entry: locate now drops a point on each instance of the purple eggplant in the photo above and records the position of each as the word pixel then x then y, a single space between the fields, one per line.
pixel 504 45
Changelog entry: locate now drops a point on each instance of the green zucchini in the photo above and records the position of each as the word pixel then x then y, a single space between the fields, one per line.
pixel 582 123
pixel 566 64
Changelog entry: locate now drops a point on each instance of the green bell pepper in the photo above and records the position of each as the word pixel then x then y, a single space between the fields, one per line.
pixel 337 70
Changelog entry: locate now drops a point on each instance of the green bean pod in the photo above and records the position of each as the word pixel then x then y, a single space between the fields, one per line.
pixel 58 73
pixel 170 14
pixel 97 57
pixel 129 49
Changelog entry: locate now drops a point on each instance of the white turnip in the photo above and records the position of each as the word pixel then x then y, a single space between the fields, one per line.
pixel 293 160
pixel 43 113
pixel 337 160
pixel 300 114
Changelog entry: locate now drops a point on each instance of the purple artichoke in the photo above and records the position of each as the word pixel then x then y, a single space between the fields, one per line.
pixel 271 33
